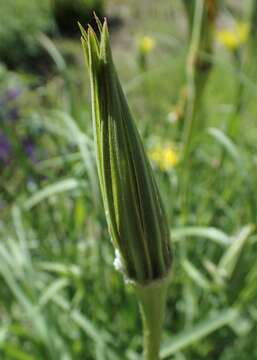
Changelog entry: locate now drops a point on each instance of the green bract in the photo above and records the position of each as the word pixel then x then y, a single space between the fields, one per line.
pixel 134 210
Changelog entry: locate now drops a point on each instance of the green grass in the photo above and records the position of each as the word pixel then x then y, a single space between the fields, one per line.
pixel 60 297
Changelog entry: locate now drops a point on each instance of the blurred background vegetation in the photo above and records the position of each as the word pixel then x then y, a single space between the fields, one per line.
pixel 60 297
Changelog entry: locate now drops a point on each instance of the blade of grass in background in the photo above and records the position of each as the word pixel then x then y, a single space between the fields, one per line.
pixel 199 332
pixel 209 233
pixel 229 259
pixel 51 190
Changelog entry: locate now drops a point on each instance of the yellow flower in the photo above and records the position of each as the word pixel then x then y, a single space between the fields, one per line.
pixel 146 44
pixel 234 38
pixel 165 157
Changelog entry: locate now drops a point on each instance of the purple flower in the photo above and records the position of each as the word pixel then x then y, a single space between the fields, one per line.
pixel 2 101
pixel 5 148
pixel 29 148
pixel 13 114
pixel 9 110
pixel 13 94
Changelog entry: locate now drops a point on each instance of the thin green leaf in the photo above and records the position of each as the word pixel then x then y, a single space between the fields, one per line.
pixel 51 190
pixel 60 268
pixel 15 353
pixel 198 332
pixel 53 51
pixel 81 320
pixel 21 235
pixel 86 148
pixel 59 161
pixel 226 142
pixel 51 290
pixel 196 275
pixel 229 259
pixel 210 233
pixel 3 334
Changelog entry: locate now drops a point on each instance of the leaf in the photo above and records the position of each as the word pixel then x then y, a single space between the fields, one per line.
pixel 21 235
pixel 80 213
pixel 13 285
pixel 196 275
pixel 198 332
pixel 50 291
pixel 242 325
pixel 39 324
pixel 229 259
pixel 249 291
pixel 51 190
pixel 86 147
pixel 53 51
pixel 58 161
pixel 227 143
pixel 214 272
pixel 60 268
pixel 80 319
pixel 3 334
pixel 210 233
pixel 16 353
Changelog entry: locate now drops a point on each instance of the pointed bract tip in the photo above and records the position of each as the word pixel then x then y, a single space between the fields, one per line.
pixel 82 30
pixel 98 22
pixel 105 50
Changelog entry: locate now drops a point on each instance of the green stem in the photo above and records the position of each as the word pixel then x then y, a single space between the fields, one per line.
pixel 254 22
pixel 234 121
pixel 191 76
pixel 152 302
pixel 195 86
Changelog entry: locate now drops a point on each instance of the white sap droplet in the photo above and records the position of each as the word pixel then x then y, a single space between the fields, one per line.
pixel 118 261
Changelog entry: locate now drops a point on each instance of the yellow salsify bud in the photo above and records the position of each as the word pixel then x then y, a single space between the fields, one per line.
pixel 133 206
pixel 146 44
pixel 234 38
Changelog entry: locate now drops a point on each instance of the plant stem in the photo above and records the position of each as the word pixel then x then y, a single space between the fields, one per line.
pixel 201 17
pixel 195 86
pixel 191 76
pixel 152 302
pixel 233 127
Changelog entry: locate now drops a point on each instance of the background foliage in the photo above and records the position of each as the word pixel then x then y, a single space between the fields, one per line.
pixel 60 297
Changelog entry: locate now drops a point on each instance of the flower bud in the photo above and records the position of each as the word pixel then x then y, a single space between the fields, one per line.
pixel 132 203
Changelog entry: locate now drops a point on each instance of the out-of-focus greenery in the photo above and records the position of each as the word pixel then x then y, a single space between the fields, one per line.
pixel 66 11
pixel 60 297
pixel 21 23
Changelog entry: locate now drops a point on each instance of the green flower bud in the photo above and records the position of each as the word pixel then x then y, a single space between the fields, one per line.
pixel 132 203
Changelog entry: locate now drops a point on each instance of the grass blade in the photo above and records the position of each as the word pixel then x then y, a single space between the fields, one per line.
pixel 50 291
pixel 229 259
pixel 57 188
pixel 210 233
pixel 226 143
pixel 196 275
pixel 198 332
